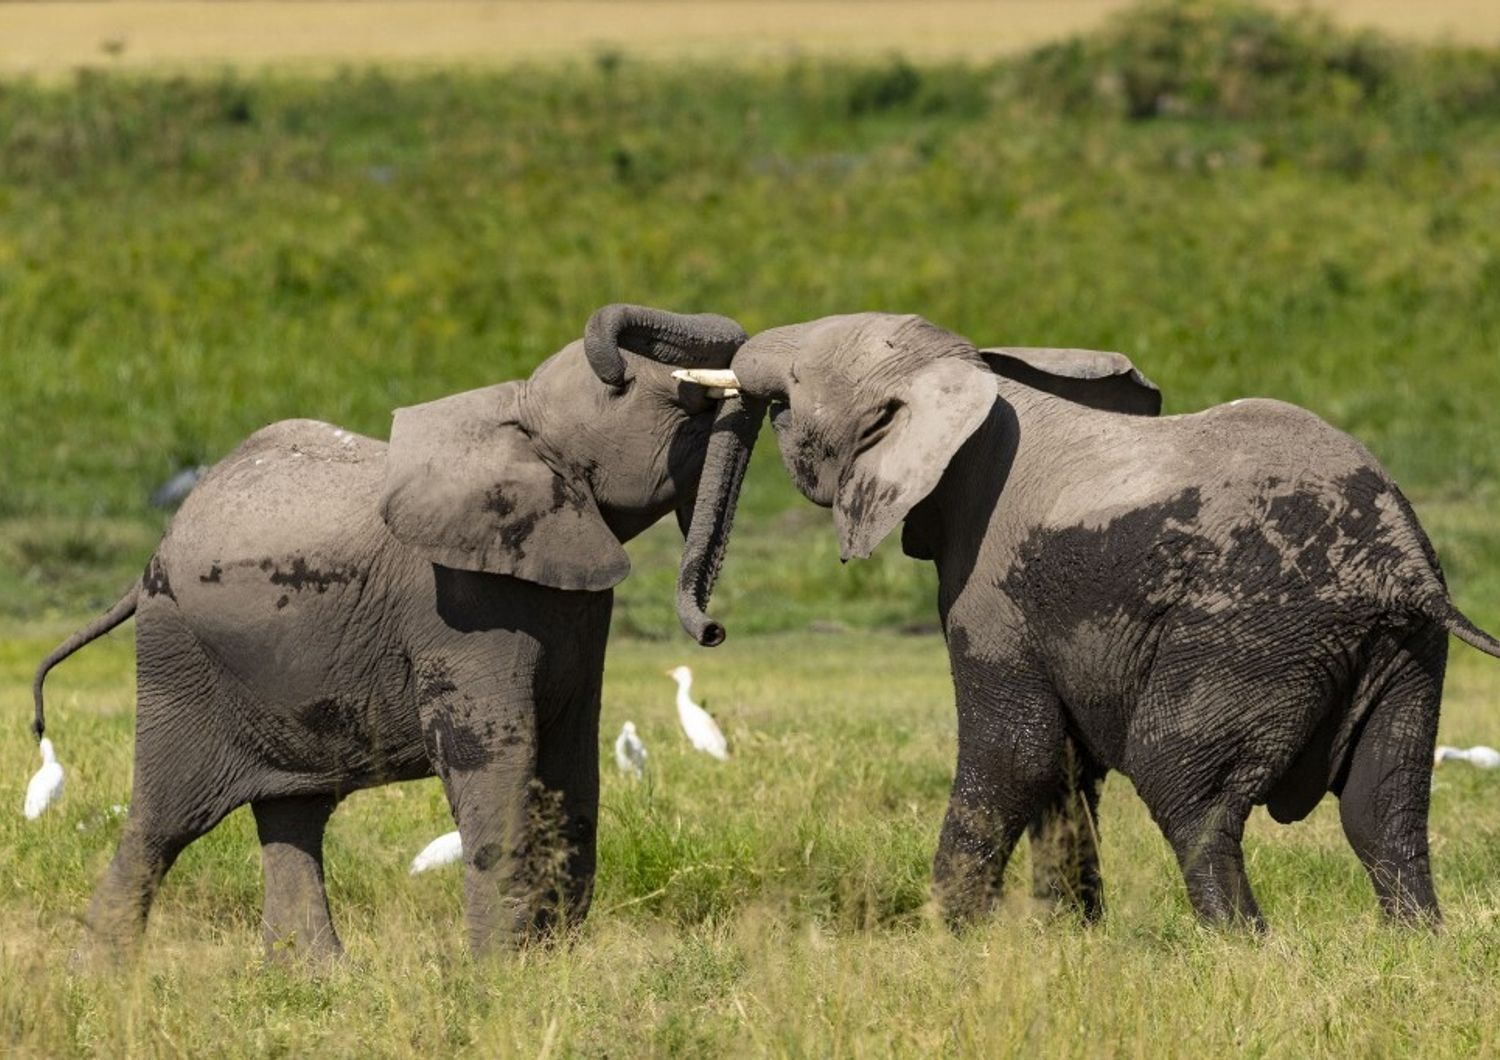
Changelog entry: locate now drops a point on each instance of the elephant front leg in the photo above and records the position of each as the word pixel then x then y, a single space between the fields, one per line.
pixel 1010 745
pixel 566 849
pixel 485 753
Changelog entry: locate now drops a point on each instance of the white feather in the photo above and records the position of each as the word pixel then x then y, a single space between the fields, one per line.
pixel 630 752
pixel 444 850
pixel 702 732
pixel 46 784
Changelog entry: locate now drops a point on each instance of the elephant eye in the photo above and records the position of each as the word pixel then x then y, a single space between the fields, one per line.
pixel 876 428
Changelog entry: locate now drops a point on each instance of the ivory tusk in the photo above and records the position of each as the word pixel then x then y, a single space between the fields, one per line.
pixel 723 392
pixel 720 378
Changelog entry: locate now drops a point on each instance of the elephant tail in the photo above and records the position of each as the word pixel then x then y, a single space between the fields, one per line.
pixel 122 610
pixel 1457 623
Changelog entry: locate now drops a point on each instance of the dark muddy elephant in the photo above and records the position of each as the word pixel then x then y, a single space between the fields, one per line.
pixel 328 612
pixel 1233 608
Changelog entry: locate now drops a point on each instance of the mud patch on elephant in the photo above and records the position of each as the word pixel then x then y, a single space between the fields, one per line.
pixel 301 576
pixel 868 495
pixel 1074 576
pixel 155 581
pixel 455 744
pixel 497 503
pixel 331 717
pixel 488 856
pixel 514 536
pixel 213 577
pixel 434 681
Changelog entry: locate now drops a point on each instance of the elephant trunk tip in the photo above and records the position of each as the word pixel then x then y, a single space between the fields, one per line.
pixel 704 630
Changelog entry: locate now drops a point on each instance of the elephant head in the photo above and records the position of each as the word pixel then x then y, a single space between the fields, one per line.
pixel 868 410
pixel 545 478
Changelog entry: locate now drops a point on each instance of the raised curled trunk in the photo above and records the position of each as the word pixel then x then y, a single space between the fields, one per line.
pixel 684 340
pixel 729 448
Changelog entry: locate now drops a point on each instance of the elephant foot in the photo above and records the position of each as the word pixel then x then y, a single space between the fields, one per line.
pixel 315 948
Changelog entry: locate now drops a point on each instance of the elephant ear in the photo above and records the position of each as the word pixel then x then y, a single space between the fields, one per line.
pixel 466 488
pixel 905 448
pixel 1097 378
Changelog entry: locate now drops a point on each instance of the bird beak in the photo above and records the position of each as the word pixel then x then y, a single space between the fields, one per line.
pixel 721 382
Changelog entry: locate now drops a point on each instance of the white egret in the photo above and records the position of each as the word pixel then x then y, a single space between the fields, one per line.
pixel 444 850
pixel 46 784
pixel 1481 756
pixel 630 752
pixel 701 730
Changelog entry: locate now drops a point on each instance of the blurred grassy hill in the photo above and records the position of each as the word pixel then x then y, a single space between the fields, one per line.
pixel 1245 202
pixel 50 40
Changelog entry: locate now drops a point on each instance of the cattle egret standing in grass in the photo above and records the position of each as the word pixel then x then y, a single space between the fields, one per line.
pixel 630 753
pixel 444 850
pixel 696 722
pixel 46 784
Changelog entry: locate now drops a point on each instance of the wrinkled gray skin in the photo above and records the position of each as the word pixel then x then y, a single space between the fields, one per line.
pixel 328 612
pixel 1233 608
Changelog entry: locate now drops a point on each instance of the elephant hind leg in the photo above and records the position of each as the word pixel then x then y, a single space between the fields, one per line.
pixel 1064 839
pixel 1209 852
pixel 183 784
pixel 155 833
pixel 122 901
pixel 1384 800
pixel 296 919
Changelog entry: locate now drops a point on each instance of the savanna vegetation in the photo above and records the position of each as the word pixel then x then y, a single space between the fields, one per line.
pixel 1244 202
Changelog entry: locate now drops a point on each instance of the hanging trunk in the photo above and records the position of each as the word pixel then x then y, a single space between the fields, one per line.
pixel 729 448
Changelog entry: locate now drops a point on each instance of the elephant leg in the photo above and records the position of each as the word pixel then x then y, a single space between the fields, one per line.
pixel 1384 801
pixel 179 791
pixel 568 771
pixel 1230 706
pixel 481 738
pixel 1209 852
pixel 1064 839
pixel 122 901
pixel 1010 758
pixel 295 918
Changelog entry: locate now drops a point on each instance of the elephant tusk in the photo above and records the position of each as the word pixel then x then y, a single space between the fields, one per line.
pixel 715 378
pixel 723 392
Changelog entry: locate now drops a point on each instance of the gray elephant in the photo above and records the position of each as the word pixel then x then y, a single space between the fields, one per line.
pixel 328 612
pixel 1233 608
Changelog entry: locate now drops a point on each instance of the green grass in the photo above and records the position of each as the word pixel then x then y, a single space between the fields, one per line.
pixel 776 903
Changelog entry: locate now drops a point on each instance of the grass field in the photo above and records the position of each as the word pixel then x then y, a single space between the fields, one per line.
pixel 1245 204
pixel 776 903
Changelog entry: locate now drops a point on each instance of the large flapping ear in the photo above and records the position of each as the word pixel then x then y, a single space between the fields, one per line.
pixel 906 448
pixel 466 488
pixel 1096 378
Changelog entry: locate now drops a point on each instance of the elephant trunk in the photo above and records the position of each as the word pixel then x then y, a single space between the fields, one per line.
pixel 686 340
pixel 729 447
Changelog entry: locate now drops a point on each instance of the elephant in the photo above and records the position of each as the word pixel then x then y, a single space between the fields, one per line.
pixel 1233 608
pixel 328 612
